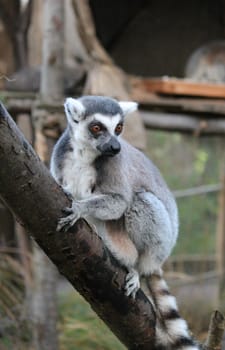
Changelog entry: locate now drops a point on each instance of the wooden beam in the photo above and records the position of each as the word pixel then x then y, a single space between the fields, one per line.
pixel 174 86
pixel 151 101
pixel 183 123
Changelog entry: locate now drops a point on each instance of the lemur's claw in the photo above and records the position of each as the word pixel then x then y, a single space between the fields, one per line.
pixel 132 283
pixel 64 224
pixel 72 214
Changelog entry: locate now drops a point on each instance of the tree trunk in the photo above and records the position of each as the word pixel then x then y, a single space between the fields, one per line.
pixel 79 254
pixel 52 59
pixel 16 23
pixel 51 91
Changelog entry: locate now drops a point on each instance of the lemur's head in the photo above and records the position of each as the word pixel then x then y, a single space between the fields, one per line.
pixel 96 122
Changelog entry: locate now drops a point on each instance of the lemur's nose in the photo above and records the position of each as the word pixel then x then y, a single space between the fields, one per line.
pixel 115 146
pixel 110 148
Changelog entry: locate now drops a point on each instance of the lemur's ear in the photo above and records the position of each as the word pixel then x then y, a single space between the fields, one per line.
pixel 74 109
pixel 128 107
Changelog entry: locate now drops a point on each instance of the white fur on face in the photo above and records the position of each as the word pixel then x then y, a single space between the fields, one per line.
pixel 110 122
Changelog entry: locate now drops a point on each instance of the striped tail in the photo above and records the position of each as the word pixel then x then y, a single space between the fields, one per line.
pixel 171 330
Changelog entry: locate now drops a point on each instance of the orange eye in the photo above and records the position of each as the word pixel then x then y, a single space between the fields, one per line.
pixel 96 128
pixel 119 128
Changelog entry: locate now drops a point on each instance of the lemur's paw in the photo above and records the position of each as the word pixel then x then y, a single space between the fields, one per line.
pixel 68 221
pixel 132 283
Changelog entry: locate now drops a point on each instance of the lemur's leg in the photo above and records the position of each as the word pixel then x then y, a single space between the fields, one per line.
pixel 122 247
pixel 149 226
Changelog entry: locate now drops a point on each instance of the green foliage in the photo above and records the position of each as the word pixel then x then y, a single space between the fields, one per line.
pixel 80 328
pixel 200 161
pixel 185 162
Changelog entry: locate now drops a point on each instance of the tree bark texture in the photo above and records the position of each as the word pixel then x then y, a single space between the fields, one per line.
pixel 37 201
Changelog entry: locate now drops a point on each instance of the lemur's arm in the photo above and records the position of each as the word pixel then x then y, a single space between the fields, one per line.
pixel 102 206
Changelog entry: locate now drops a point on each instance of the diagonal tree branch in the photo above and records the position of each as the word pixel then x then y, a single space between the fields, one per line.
pixel 32 194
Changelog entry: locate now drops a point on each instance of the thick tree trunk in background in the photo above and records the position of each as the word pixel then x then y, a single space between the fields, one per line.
pixel 16 22
pixel 52 59
pixel 73 47
pixel 51 92
pixel 79 254
pixel 35 35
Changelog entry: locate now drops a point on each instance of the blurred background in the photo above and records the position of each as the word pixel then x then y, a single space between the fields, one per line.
pixel 169 56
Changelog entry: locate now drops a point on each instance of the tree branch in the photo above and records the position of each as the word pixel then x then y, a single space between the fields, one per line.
pixel 32 194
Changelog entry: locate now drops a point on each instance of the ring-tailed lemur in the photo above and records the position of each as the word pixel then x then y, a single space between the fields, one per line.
pixel 116 188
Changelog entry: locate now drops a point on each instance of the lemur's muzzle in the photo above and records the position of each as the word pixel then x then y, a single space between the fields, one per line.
pixel 110 148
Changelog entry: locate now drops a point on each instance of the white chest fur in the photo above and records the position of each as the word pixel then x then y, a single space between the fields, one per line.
pixel 79 175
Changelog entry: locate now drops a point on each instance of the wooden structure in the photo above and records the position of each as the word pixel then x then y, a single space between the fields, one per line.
pixel 182 87
pixel 181 105
pixel 168 105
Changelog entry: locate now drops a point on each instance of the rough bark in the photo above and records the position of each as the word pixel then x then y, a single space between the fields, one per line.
pixel 37 201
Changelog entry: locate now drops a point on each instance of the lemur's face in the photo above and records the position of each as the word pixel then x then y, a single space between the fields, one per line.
pixel 103 132
pixel 96 122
